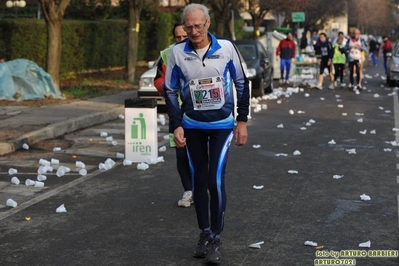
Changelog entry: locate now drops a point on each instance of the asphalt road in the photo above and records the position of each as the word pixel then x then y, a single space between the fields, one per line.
pixel 128 217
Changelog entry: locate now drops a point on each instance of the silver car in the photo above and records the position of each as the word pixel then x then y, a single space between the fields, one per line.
pixel 393 67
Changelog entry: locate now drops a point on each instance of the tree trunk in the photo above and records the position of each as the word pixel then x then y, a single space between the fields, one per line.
pixel 133 40
pixel 54 50
pixel 256 23
pixel 219 26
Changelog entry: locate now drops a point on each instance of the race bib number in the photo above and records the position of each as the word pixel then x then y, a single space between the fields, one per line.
pixel 207 93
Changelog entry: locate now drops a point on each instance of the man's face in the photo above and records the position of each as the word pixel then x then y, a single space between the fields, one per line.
pixel 322 38
pixel 196 26
pixel 289 36
pixel 180 34
pixel 356 34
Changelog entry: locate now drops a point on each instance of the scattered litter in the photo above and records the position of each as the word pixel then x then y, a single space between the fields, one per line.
pixel 56 148
pixel 360 120
pixel 340 106
pixel 296 153
pixel 359 114
pixel 291 112
pixel 319 247
pixel 301 112
pixel 338 176
pixel 293 172
pixel 344 114
pixel 160 159
pixel 121 116
pixel 80 164
pixel 387 150
pixel 257 146
pixel 307 95
pixel 27 218
pixel 388 111
pixel 11 203
pixel 61 209
pixel 322 98
pixel 83 172
pixel 373 131
pixel 110 138
pixel 337 96
pixel 264 106
pixel 281 154
pixel 312 121
pixel 15 180
pixel 256 245
pixel 114 142
pixel 142 166
pixel 310 243
pixel 332 142
pixel 161 119
pixel 351 151
pixel 103 134
pixel 395 129
pixel 381 108
pixel 278 102
pixel 44 162
pixel 368 76
pixel 393 143
pixel 41 178
pixel 377 95
pixel 365 244
pixel 303 128
pixel 258 187
pixel 162 149
pixel 12 171
pixel 308 124
pixel 166 137
pixel 364 132
pixel 101 166
pixel 120 155
pixel 339 100
pixel 25 146
pixel 29 182
pixel 38 184
pixel 280 126
pixel 391 94
pixel 383 78
pixel 54 161
pixel 127 162
pixel 365 197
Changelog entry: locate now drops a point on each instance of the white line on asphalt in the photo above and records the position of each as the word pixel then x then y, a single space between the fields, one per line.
pixel 51 193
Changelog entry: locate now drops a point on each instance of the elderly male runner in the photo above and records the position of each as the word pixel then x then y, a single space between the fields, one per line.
pixel 203 69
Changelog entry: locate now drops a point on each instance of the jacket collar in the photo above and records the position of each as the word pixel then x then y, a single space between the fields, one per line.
pixel 214 46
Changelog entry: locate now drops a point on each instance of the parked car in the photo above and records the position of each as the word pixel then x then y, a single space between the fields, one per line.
pixel 260 67
pixel 147 88
pixel 393 67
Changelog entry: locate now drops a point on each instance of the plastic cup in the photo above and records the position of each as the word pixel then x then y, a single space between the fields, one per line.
pixel 110 161
pixel 110 138
pixel 107 166
pixel 114 142
pixel 121 116
pixel 48 168
pixel 151 161
pixel 142 166
pixel 103 134
pixel 83 172
pixel 25 146
pixel 11 203
pixel 12 171
pixel 127 162
pixel 15 180
pixel 60 209
pixel 54 161
pixel 29 182
pixel 57 149
pixel 160 159
pixel 60 171
pixel 41 178
pixel 80 164
pixel 39 184
pixel 120 155
pixel 101 166
pixel 162 149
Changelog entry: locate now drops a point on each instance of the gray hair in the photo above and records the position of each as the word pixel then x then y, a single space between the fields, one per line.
pixel 192 7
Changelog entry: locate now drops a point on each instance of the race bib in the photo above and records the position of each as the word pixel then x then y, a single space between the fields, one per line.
pixel 207 93
pixel 355 54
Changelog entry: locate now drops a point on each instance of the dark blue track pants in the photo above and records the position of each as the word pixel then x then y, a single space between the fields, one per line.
pixel 208 151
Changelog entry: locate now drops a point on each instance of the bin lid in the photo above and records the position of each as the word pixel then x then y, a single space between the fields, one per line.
pixel 140 103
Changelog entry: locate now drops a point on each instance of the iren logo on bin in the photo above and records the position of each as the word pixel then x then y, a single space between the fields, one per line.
pixel 139 131
pixel 135 127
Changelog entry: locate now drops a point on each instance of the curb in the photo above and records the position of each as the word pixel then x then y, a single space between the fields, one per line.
pixel 60 128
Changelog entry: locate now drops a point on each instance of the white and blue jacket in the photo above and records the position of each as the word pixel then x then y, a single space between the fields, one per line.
pixel 184 64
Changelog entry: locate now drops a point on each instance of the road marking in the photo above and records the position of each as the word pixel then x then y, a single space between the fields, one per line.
pixel 396 112
pixel 51 193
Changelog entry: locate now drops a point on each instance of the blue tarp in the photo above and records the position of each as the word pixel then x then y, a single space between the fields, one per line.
pixel 26 79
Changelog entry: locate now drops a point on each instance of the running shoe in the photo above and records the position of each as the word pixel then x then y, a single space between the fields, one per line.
pixel 213 256
pixel 202 248
pixel 319 87
pixel 186 200
pixel 331 87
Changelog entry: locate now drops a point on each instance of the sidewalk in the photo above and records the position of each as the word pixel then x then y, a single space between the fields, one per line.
pixel 33 124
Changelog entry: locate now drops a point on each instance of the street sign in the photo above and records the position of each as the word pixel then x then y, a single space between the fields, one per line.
pixel 298 16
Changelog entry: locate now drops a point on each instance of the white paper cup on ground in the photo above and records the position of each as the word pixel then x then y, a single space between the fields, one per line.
pixel 114 142
pixel 162 149
pixel 80 164
pixel 142 166
pixel 121 116
pixel 127 162
pixel 12 171
pixel 151 161
pixel 101 166
pixel 56 148
pixel 120 155
pixel 39 184
pixel 54 161
pixel 42 170
pixel 44 162
pixel 48 168
pixel 25 146
pixel 29 182
pixel 61 209
pixel 41 178
pixel 83 172
pixel 110 161
pixel 103 134
pixel 110 138
pixel 15 180
pixel 61 171
pixel 11 203
pixel 107 166
pixel 67 169
pixel 160 159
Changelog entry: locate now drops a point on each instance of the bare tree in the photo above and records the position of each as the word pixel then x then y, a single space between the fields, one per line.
pixel 53 11
pixel 135 7
pixel 222 10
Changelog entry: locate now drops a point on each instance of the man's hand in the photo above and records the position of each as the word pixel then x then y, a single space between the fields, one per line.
pixel 178 136
pixel 240 133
